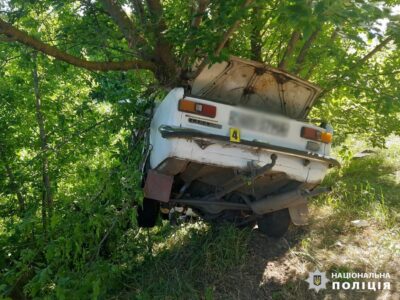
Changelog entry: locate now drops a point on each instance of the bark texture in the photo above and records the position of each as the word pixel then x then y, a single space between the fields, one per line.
pixel 295 37
pixel 36 44
pixel 47 198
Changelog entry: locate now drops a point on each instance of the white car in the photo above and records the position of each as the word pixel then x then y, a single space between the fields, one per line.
pixel 234 146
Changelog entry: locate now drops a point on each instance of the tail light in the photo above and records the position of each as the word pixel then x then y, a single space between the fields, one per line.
pixel 197 108
pixel 316 135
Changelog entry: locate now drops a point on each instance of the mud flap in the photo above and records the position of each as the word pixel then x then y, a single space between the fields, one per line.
pixel 158 186
pixel 299 214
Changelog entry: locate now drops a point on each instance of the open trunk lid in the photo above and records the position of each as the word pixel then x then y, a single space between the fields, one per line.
pixel 252 84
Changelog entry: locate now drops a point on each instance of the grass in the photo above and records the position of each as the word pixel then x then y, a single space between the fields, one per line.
pixel 186 262
pixel 367 188
pixel 197 261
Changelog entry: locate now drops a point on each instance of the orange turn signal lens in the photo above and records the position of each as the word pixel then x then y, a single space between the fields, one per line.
pixel 326 137
pixel 316 135
pixel 197 108
pixel 187 106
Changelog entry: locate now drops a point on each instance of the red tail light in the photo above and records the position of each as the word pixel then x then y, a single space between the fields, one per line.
pixel 197 108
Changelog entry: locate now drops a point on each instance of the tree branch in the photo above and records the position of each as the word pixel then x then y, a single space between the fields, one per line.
pixel 6 39
pixel 332 38
pixel 124 23
pixel 47 200
pixel 34 43
pixel 139 10
pixel 377 48
pixel 155 7
pixel 201 8
pixel 334 34
pixel 223 41
pixel 304 50
pixel 231 30
pixel 163 49
pixel 289 49
pixel 256 36
pixel 338 81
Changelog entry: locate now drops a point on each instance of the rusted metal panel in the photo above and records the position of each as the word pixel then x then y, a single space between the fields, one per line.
pixel 158 186
pixel 252 84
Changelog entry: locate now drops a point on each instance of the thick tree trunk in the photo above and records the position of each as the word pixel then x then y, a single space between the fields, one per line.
pixel 167 68
pixel 47 200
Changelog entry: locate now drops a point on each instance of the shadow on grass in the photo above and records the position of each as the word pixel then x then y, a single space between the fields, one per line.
pixel 198 261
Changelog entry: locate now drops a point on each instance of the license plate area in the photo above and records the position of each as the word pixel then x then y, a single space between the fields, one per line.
pixel 259 123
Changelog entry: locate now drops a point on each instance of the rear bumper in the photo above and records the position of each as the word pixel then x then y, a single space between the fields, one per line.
pixel 178 132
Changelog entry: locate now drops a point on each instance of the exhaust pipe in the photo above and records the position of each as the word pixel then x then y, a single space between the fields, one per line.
pixel 285 200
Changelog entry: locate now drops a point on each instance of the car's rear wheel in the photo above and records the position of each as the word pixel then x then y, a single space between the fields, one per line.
pixel 147 213
pixel 275 224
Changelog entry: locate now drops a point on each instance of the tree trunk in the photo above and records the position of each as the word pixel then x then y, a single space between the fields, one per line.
pixel 256 38
pixel 167 68
pixel 304 50
pixel 47 200
pixel 289 49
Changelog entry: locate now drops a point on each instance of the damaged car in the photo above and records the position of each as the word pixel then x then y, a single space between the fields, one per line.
pixel 235 145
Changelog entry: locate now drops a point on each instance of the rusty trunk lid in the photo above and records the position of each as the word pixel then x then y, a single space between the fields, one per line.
pixel 252 84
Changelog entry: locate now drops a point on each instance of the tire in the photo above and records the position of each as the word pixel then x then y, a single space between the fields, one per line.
pixel 275 224
pixel 147 214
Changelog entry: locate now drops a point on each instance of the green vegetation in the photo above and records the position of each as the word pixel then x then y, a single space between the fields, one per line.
pixel 367 187
pixel 197 261
pixel 187 262
pixel 71 141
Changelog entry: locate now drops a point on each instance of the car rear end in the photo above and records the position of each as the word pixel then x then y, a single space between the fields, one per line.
pixel 204 131
pixel 235 145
